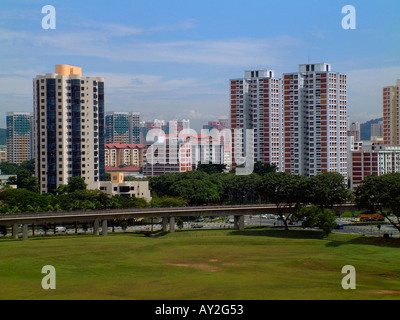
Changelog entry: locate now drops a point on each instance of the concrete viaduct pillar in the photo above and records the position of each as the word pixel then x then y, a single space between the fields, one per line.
pixel 104 228
pixel 25 232
pixel 165 224
pixel 96 227
pixel 15 231
pixel 239 223
pixel 172 224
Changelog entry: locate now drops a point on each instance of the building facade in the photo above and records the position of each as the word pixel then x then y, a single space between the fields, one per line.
pixel 315 120
pixel 391 115
pixel 221 131
pixel 256 105
pixel 121 155
pixel 123 127
pixel 181 153
pixel 377 131
pixel 69 127
pixel 373 159
pixel 355 131
pixel 20 138
pixel 3 154
pixel 117 186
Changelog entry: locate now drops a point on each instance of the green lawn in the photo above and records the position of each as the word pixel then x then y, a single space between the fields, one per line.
pixel 202 264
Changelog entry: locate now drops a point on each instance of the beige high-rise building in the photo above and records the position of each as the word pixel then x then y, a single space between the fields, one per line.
pixel 391 115
pixel 69 127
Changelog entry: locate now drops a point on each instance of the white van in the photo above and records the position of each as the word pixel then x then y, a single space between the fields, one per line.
pixel 61 229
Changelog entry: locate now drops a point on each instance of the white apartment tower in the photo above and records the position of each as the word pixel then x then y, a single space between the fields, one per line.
pixel 315 120
pixel 69 127
pixel 256 104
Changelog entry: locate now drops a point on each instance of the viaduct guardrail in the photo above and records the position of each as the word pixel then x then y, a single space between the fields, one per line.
pixel 168 216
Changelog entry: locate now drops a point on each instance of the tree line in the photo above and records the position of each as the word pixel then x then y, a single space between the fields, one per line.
pixel 292 194
pixel 296 197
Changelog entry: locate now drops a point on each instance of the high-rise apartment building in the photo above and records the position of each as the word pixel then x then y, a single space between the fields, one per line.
pixel 391 115
pixel 315 120
pixel 3 154
pixel 256 105
pixel 19 137
pixel 355 131
pixel 123 127
pixel 174 153
pixel 69 127
pixel 217 129
pixel 377 130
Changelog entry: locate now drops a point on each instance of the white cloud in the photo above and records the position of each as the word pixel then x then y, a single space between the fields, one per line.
pixel 105 42
pixel 365 88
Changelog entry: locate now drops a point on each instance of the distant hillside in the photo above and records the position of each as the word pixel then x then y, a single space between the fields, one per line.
pixel 366 128
pixel 3 137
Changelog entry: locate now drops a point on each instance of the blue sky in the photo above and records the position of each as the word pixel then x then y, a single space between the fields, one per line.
pixel 173 59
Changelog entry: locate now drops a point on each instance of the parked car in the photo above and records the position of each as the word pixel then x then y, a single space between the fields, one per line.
pixel 61 229
pixel 197 226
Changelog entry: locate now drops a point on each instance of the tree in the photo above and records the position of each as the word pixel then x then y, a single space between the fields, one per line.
pixel 196 192
pixel 240 189
pixel 327 190
pixel 28 165
pixel 180 222
pixel 9 168
pixel 261 168
pixel 3 230
pixel 211 168
pixel 81 200
pixel 381 193
pixel 368 194
pixel 162 184
pixel 314 216
pixel 165 202
pixel 76 184
pixel 124 225
pixel 24 200
pixel 12 168
pixel 286 191
pixel 25 180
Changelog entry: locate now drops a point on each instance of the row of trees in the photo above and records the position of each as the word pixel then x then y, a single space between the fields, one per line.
pixel 292 194
pixel 8 168
pixel 73 196
pixel 311 200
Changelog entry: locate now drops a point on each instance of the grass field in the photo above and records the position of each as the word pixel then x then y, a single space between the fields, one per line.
pixel 202 264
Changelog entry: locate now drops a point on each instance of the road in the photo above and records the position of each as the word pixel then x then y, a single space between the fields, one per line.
pixel 348 226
